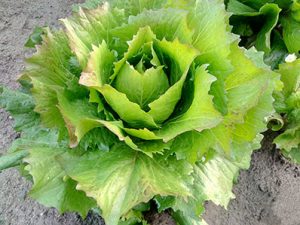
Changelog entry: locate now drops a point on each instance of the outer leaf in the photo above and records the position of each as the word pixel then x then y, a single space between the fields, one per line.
pixel 12 159
pixel 51 186
pixel 50 71
pixel 289 140
pixel 122 178
pixel 201 114
pixel 249 94
pixel 91 27
pixel 35 38
pixel 213 180
pixel 288 102
pixel 169 23
pixel 207 17
pixel 20 106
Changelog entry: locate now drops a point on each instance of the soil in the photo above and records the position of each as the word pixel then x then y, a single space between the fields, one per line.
pixel 266 194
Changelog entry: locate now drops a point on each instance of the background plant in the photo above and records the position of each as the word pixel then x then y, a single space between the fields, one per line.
pixel 274 28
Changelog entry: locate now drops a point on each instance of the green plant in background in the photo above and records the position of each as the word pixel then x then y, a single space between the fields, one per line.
pixel 274 28
pixel 136 101
pixel 287 104
pixel 271 26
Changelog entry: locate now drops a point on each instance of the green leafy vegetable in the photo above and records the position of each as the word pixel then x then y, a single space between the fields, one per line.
pixel 270 26
pixel 141 100
pixel 274 27
pixel 288 104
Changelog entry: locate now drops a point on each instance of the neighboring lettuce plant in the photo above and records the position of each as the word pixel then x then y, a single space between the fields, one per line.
pixel 137 101
pixel 287 105
pixel 272 26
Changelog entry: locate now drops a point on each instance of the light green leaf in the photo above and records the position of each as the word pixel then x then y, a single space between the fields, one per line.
pixel 169 23
pixel 293 155
pixel 123 178
pixel 50 64
pixel 250 102
pixel 46 101
pixel 144 134
pixel 51 186
pixel 192 145
pixel 143 36
pixel 212 37
pixel 127 110
pixel 211 34
pixel 289 140
pixel 213 181
pixel 50 72
pixel 100 66
pixel 290 76
pixel 178 57
pixel 288 102
pixel 141 88
pixel 80 117
pixel 90 27
pixel 131 7
pixel 201 114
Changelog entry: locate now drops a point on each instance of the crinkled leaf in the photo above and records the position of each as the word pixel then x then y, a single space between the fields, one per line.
pixel 100 65
pixel 127 110
pixel 201 114
pixel 169 23
pixel 212 37
pixel 81 117
pixel 288 102
pixel 50 72
pixel 20 106
pixel 90 27
pixel 213 180
pixel 143 36
pixel 289 140
pixel 122 178
pixel 51 185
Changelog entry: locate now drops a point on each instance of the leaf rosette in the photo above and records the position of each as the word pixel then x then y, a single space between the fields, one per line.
pixel 139 100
